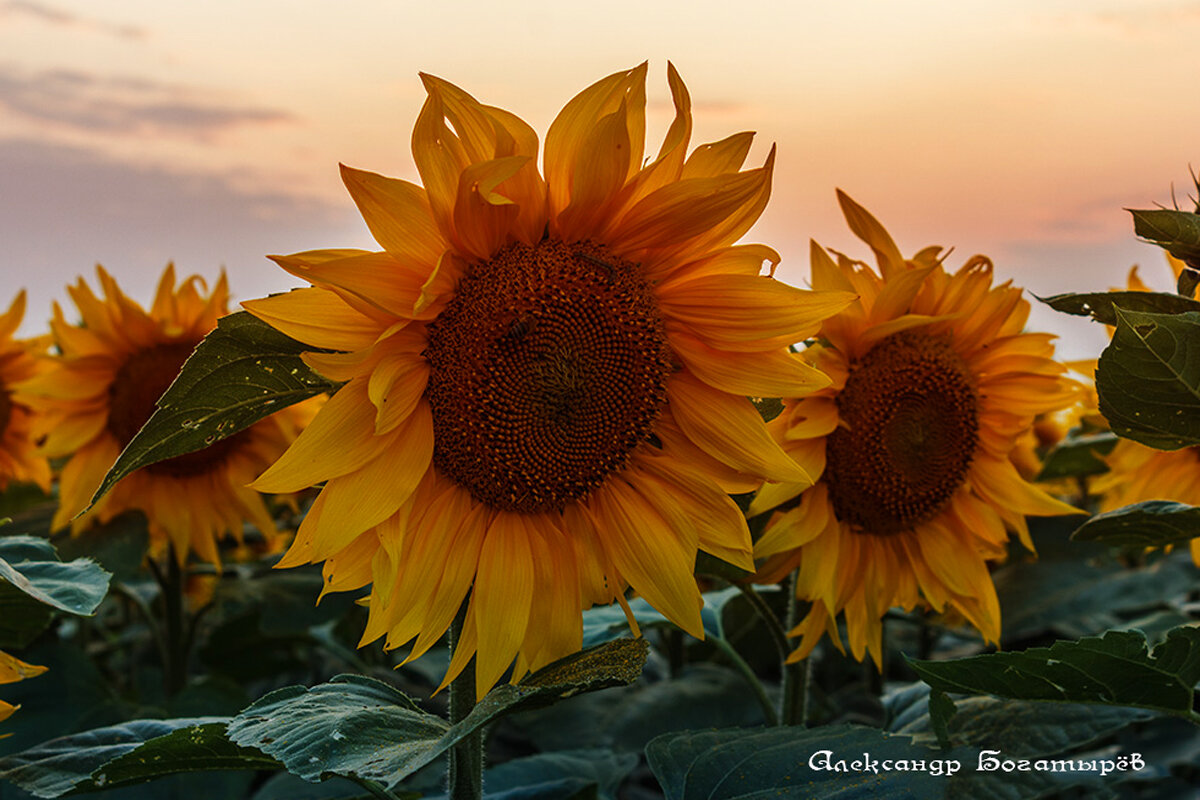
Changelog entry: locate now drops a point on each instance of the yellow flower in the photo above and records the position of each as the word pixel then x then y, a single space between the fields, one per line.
pixel 546 378
pixel 102 389
pixel 1137 472
pixel 19 459
pixel 933 383
pixel 13 670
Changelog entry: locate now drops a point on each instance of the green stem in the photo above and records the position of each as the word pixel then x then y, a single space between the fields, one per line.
pixel 760 692
pixel 174 623
pixel 464 767
pixel 778 634
pixel 796 675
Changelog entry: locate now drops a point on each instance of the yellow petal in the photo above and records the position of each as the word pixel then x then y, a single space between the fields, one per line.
pixel 767 374
pixel 745 313
pixel 340 439
pixel 317 317
pixel 397 213
pixel 568 133
pixel 502 596
pixel 718 158
pixel 375 490
pixel 655 559
pixel 867 228
pixel 729 429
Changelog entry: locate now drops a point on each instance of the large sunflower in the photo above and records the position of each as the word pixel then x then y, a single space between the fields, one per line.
pixel 102 388
pixel 19 459
pixel 546 377
pixel 933 382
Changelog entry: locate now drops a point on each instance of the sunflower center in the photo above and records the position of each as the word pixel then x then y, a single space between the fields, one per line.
pixel 546 370
pixel 911 426
pixel 132 395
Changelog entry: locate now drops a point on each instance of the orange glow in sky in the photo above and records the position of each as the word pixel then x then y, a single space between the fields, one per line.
pixel 135 132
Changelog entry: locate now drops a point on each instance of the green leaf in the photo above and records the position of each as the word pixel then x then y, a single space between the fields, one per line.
pixel 362 728
pixel 1101 306
pixel 1148 379
pixel 523 777
pixel 1153 523
pixel 1177 232
pixel 606 623
pixel 133 752
pixel 33 582
pixel 118 545
pixel 1077 456
pixel 1074 599
pixel 1115 669
pixel 242 372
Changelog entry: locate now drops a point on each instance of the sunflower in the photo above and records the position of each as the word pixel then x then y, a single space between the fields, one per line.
pixel 1137 472
pixel 12 670
pixel 933 382
pixel 546 378
pixel 102 388
pixel 19 459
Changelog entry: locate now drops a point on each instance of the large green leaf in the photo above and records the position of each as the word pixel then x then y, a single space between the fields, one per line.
pixel 242 372
pixel 1019 728
pixel 794 764
pixel 1115 669
pixel 1177 232
pixel 1100 306
pixel 362 728
pixel 1073 599
pixel 1148 379
pixel 126 754
pixel 1152 523
pixel 33 582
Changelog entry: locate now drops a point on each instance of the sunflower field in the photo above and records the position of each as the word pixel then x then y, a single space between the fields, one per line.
pixel 561 494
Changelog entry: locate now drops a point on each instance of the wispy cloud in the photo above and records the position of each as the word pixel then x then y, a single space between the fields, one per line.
pixel 56 16
pixel 65 208
pixel 126 106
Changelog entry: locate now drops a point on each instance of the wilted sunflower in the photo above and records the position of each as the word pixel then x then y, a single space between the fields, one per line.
pixel 19 459
pixel 101 390
pixel 546 377
pixel 933 381
pixel 13 669
pixel 1137 472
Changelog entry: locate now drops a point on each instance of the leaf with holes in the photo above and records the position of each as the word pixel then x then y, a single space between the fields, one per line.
pixel 1148 379
pixel 1177 232
pixel 121 755
pixel 240 373
pixel 361 728
pixel 1153 523
pixel 1116 669
pixel 1101 306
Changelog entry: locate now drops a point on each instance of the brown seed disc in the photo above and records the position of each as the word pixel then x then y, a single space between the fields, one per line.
pixel 132 395
pixel 910 430
pixel 546 370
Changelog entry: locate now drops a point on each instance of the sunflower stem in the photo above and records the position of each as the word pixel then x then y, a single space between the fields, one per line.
pixel 796 675
pixel 777 631
pixel 464 766
pixel 770 715
pixel 174 623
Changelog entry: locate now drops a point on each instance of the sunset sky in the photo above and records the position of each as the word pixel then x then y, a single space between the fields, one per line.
pixel 134 132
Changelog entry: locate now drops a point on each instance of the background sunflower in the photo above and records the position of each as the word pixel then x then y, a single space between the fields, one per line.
pixel 101 388
pixel 933 383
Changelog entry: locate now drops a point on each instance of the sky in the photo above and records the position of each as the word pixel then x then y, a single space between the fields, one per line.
pixel 137 132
